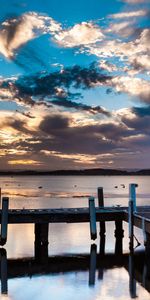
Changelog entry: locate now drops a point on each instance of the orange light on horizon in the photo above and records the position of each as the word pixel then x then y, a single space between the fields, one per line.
pixel 24 162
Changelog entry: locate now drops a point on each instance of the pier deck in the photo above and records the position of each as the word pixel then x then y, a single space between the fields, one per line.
pixel 78 215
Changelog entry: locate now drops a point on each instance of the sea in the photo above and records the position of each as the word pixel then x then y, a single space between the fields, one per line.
pixel 70 239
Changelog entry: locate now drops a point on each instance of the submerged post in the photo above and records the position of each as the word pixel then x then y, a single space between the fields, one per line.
pixel 4 220
pixel 101 205
pixel 92 212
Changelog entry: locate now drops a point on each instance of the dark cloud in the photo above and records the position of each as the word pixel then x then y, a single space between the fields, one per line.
pixel 140 123
pixel 46 84
pixel 54 123
pixel 42 88
pixel 80 106
pixel 89 139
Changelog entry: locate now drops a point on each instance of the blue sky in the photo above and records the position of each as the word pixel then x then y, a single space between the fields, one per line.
pixel 74 84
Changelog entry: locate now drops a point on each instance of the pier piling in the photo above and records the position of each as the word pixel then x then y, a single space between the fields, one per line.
pixel 4 221
pixel 101 205
pixel 93 230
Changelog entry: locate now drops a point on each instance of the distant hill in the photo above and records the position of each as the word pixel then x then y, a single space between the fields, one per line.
pixel 84 172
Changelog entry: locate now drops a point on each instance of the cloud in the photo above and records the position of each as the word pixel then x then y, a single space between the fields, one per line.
pixel 109 67
pixel 129 14
pixel 134 1
pixel 131 56
pixel 137 119
pixel 135 87
pixel 16 32
pixel 81 106
pixel 84 33
pixel 58 139
pixel 123 29
pixel 54 88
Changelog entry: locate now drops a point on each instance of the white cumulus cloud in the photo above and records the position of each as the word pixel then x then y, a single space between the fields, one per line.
pixel 80 34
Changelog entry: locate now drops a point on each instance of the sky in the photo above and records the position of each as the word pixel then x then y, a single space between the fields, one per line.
pixel 74 84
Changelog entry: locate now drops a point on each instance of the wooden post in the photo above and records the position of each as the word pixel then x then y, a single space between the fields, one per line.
pixel 131 228
pixel 41 242
pixel 132 194
pixel 101 205
pixel 92 270
pixel 119 234
pixel 4 221
pixel 92 212
pixel 3 259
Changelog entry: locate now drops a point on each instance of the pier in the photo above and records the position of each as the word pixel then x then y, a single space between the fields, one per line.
pixel 41 218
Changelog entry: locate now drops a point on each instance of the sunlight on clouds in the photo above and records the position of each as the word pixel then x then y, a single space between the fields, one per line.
pixel 26 27
pixel 129 14
pixel 24 162
pixel 17 152
pixel 80 34
pixel 80 158
pixel 133 86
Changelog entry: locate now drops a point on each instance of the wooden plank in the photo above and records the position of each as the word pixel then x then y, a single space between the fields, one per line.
pixel 62 215
pixel 137 221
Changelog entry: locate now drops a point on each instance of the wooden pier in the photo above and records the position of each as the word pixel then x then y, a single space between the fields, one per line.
pixel 135 216
pixel 41 218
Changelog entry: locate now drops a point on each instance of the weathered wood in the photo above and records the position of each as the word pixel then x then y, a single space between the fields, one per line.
pixel 138 219
pixel 101 205
pixel 132 194
pixel 100 197
pixel 4 221
pixel 64 215
pixel 92 212
pixel 131 223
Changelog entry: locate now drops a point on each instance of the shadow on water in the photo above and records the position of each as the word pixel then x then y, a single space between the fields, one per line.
pixel 137 264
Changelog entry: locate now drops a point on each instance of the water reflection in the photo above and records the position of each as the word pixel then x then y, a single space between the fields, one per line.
pixel 98 265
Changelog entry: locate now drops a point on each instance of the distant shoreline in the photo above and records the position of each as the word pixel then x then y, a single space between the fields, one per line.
pixel 85 172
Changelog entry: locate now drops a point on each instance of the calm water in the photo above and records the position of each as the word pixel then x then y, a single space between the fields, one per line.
pixel 71 191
